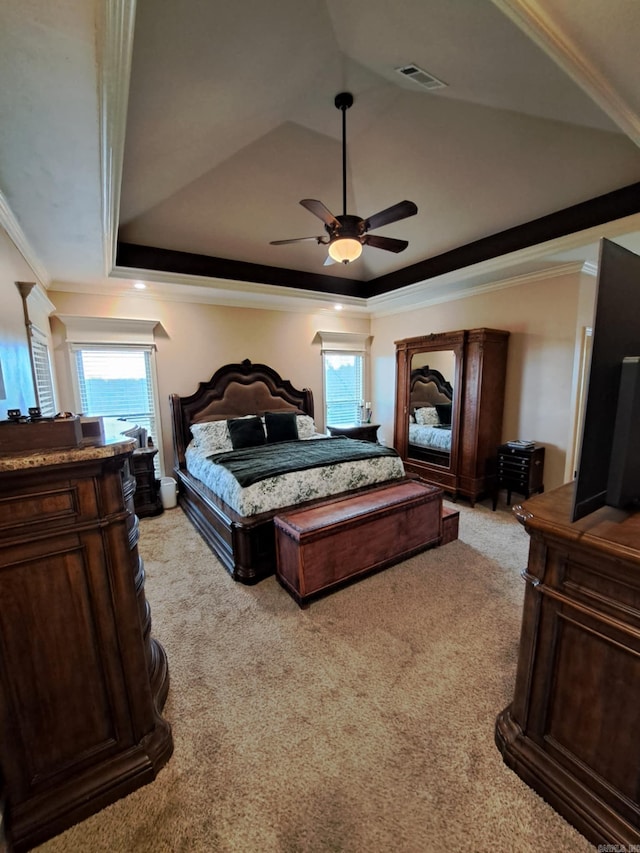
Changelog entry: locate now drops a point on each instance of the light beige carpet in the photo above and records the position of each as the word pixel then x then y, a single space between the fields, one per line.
pixel 363 724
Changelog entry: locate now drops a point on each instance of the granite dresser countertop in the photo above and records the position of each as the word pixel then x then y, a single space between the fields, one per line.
pixel 63 455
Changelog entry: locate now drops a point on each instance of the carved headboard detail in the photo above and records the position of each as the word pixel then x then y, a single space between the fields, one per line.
pixel 428 388
pixel 234 390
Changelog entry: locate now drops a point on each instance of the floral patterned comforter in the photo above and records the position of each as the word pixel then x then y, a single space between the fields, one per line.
pixel 430 436
pixel 290 488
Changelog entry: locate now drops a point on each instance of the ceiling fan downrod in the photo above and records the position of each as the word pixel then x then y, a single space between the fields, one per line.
pixel 343 101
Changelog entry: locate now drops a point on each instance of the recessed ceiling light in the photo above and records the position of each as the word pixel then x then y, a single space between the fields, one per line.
pixel 139 285
pixel 338 307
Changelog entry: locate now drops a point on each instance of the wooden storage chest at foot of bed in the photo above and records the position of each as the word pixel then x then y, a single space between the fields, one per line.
pixel 450 525
pixel 324 546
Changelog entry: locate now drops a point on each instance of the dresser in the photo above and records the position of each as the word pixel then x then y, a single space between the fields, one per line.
pixel 82 681
pixel 571 731
pixel 520 470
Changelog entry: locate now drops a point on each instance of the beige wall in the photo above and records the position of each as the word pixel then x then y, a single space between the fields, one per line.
pixel 543 317
pixel 14 347
pixel 194 340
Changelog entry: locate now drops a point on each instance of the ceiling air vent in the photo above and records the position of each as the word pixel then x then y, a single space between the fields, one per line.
pixel 421 77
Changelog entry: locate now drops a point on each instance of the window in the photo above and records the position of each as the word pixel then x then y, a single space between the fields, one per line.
pixel 343 387
pixel 343 371
pixel 37 309
pixel 118 382
pixel 42 373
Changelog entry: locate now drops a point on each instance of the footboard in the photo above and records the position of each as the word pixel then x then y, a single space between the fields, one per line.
pixel 244 546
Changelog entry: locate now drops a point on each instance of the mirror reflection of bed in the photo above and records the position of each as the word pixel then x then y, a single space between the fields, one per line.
pixel 431 407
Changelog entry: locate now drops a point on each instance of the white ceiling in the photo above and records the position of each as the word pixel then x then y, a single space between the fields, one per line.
pixel 230 122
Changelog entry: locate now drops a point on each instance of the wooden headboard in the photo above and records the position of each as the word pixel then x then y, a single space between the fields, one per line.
pixel 234 390
pixel 428 388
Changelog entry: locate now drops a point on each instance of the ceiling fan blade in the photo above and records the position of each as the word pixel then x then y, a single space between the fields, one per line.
pixel 297 240
pixel 318 209
pixel 328 261
pixel 391 214
pixel 390 244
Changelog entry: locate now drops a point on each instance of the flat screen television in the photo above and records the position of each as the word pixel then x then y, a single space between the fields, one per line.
pixel 608 470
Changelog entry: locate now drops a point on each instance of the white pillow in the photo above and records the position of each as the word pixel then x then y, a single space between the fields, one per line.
pixel 427 416
pixel 306 426
pixel 211 436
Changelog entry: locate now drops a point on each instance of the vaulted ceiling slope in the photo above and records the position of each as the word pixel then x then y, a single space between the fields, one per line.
pixel 230 122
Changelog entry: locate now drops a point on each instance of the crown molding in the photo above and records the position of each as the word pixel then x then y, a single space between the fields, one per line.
pixel 433 293
pixel 493 274
pixel 543 261
pixel 19 239
pixel 547 33
pixel 116 45
pixel 170 287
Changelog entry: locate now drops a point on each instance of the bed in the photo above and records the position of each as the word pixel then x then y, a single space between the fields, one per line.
pixel 232 519
pixel 430 415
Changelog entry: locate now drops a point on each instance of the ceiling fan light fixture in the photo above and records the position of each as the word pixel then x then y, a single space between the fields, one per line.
pixel 344 250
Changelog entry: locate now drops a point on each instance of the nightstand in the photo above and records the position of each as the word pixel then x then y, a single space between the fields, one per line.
pixel 520 469
pixel 146 498
pixel 364 432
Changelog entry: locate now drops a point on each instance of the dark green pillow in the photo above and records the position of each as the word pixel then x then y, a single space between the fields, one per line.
pixel 246 432
pixel 444 413
pixel 281 426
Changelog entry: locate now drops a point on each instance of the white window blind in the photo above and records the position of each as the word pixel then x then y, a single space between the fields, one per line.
pixel 42 375
pixel 343 369
pixel 343 387
pixel 117 382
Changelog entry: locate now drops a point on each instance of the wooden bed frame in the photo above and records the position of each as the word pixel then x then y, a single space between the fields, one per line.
pixel 428 387
pixel 245 545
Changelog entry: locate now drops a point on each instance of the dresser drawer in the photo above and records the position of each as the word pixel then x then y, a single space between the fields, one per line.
pixel 50 506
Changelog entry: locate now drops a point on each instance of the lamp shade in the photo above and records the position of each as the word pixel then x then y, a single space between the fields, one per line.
pixel 345 249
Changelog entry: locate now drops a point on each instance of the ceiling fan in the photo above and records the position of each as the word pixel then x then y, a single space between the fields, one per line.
pixel 346 235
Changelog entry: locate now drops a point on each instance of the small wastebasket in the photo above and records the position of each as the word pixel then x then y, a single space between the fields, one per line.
pixel 168 492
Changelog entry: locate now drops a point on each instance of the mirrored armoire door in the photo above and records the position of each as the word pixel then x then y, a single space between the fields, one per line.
pixel 450 390
pixel 428 401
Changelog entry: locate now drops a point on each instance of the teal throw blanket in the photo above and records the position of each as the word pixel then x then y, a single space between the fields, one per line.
pixel 252 464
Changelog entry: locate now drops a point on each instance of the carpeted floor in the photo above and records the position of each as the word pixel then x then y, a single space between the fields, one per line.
pixel 363 724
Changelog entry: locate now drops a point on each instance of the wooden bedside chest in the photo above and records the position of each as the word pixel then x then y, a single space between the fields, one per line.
pixel 520 470
pixel 147 495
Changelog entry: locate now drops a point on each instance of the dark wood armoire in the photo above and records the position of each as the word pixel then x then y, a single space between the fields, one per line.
pixel 466 371
pixel 82 681
pixel 571 731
